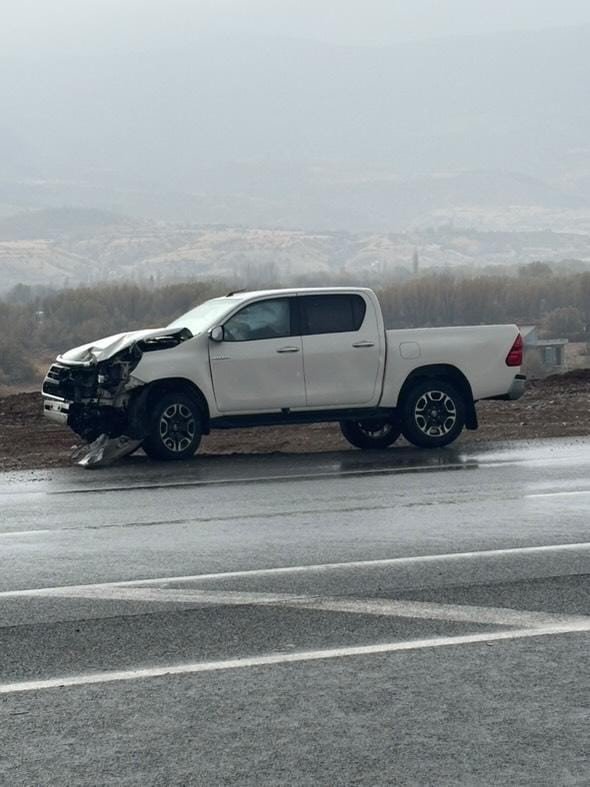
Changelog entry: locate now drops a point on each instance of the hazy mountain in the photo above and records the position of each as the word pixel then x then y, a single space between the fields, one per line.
pixel 93 246
pixel 268 131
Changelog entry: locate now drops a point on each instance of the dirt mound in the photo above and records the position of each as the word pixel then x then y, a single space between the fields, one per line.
pixel 20 405
pixel 555 407
pixel 575 377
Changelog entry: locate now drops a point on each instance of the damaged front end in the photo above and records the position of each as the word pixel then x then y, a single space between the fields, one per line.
pixel 91 397
pixel 92 390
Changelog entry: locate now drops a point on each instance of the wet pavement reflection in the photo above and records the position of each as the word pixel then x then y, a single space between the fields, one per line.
pixel 137 471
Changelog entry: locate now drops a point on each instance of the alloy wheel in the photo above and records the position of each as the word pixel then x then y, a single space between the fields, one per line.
pixel 177 427
pixel 435 413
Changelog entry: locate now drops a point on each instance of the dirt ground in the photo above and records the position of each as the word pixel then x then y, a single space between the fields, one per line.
pixel 558 406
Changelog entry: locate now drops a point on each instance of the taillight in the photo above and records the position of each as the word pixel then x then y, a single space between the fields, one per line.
pixel 514 357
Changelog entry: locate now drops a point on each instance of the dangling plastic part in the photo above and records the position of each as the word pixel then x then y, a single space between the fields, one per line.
pixel 104 451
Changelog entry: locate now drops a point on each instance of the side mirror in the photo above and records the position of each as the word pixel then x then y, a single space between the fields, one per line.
pixel 216 334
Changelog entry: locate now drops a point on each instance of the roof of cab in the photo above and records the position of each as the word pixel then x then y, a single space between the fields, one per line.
pixel 249 294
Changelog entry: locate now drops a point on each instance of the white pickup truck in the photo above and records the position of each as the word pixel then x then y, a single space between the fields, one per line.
pixel 284 357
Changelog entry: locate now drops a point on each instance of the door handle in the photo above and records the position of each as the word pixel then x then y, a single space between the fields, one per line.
pixel 364 344
pixel 288 350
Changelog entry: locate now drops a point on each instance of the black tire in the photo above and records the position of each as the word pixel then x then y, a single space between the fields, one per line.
pixel 433 414
pixel 175 427
pixel 370 434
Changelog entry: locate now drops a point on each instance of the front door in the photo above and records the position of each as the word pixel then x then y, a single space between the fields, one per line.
pixel 258 367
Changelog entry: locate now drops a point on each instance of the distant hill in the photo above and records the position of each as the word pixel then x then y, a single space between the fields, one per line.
pixel 85 253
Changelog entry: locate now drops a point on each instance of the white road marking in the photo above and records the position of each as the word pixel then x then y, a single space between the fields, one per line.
pixel 382 607
pixel 284 658
pixel 456 613
pixel 573 493
pixel 19 533
pixel 312 568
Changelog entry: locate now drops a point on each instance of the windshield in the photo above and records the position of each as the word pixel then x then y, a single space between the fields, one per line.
pixel 203 317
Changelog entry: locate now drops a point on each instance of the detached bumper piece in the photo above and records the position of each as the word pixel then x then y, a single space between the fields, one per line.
pixel 104 451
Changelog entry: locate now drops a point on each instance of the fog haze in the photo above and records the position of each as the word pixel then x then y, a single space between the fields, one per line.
pixel 100 23
pixel 365 117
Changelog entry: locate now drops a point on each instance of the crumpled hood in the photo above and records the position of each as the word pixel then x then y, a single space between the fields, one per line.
pixel 103 349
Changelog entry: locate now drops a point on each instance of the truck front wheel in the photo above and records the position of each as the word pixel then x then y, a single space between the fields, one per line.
pixel 175 427
pixel 433 414
pixel 370 434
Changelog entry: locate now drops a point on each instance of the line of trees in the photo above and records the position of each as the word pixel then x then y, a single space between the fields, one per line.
pixel 445 300
pixel 36 328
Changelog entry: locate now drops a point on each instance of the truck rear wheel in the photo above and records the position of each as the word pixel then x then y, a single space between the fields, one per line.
pixel 175 427
pixel 433 414
pixel 370 434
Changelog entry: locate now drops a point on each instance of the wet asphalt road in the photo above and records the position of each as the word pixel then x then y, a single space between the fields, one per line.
pixel 400 617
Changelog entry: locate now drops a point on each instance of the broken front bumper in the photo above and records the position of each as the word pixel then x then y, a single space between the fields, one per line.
pixel 56 410
pixel 100 452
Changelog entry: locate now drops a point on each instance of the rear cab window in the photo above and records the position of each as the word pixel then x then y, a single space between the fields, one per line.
pixel 341 313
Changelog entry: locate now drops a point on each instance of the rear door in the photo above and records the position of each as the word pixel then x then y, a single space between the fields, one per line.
pixel 341 350
pixel 258 367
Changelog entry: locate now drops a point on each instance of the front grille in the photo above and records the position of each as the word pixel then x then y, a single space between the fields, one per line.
pixel 57 372
pixel 70 383
pixel 53 383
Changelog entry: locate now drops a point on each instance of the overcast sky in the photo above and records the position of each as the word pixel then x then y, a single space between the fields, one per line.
pixel 41 24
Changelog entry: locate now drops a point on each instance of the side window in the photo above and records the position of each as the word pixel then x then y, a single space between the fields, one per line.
pixel 331 313
pixel 262 320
